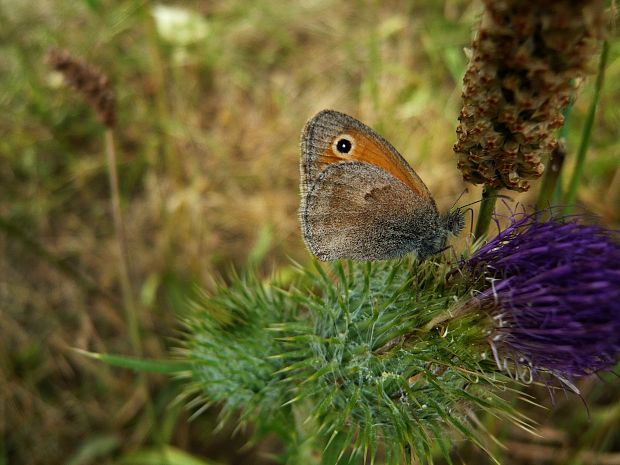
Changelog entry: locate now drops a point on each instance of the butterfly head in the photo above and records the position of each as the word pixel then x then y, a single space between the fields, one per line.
pixel 454 221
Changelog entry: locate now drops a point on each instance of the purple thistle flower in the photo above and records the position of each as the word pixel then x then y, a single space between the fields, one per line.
pixel 554 296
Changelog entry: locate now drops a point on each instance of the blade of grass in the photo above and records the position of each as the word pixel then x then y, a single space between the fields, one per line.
pixel 121 242
pixel 167 455
pixel 94 449
pixel 575 180
pixel 138 364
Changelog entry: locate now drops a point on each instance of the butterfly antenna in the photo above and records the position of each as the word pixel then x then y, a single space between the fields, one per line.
pixel 465 191
pixel 498 196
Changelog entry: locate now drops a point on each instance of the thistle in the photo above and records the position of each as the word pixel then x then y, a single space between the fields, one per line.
pixel 553 290
pixel 361 361
pixel 386 360
pixel 524 63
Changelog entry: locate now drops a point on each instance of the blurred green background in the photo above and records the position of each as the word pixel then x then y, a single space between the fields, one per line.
pixel 212 97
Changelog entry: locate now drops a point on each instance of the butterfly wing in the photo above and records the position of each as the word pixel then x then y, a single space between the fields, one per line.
pixel 360 211
pixel 360 198
pixel 318 150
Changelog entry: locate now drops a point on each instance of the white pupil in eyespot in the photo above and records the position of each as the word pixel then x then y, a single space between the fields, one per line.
pixel 344 146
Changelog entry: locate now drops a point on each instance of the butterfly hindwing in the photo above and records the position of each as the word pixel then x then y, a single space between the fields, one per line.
pixel 359 211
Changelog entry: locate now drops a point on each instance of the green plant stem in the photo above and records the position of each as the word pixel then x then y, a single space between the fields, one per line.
pixel 166 146
pixel 551 188
pixel 557 195
pixel 575 180
pixel 121 242
pixel 552 176
pixel 486 210
pixel 131 311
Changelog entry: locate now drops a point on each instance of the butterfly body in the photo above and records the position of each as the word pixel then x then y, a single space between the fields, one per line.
pixel 360 199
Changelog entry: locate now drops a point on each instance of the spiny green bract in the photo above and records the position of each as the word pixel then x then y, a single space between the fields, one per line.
pixel 228 339
pixel 374 358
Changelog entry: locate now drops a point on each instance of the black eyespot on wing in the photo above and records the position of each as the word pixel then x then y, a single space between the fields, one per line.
pixel 344 146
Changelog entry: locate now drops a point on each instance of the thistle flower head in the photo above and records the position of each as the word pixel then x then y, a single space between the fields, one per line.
pixel 554 293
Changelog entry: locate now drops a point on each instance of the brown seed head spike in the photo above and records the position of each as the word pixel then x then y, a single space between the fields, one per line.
pixel 523 65
pixel 89 81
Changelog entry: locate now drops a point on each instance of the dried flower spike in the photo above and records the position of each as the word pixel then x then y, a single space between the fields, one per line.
pixel 523 65
pixel 553 290
pixel 88 80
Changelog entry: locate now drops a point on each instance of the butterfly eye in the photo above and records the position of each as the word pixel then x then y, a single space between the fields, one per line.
pixel 343 144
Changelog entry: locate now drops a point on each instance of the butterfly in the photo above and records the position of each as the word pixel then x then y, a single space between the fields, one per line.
pixel 360 199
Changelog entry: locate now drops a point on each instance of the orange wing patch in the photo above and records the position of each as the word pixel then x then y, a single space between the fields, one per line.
pixel 367 150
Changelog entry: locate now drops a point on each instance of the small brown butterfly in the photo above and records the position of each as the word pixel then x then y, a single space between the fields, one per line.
pixel 360 199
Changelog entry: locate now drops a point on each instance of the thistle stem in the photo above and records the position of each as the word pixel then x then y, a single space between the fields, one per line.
pixel 121 242
pixel 571 195
pixel 552 176
pixel 557 194
pixel 486 209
